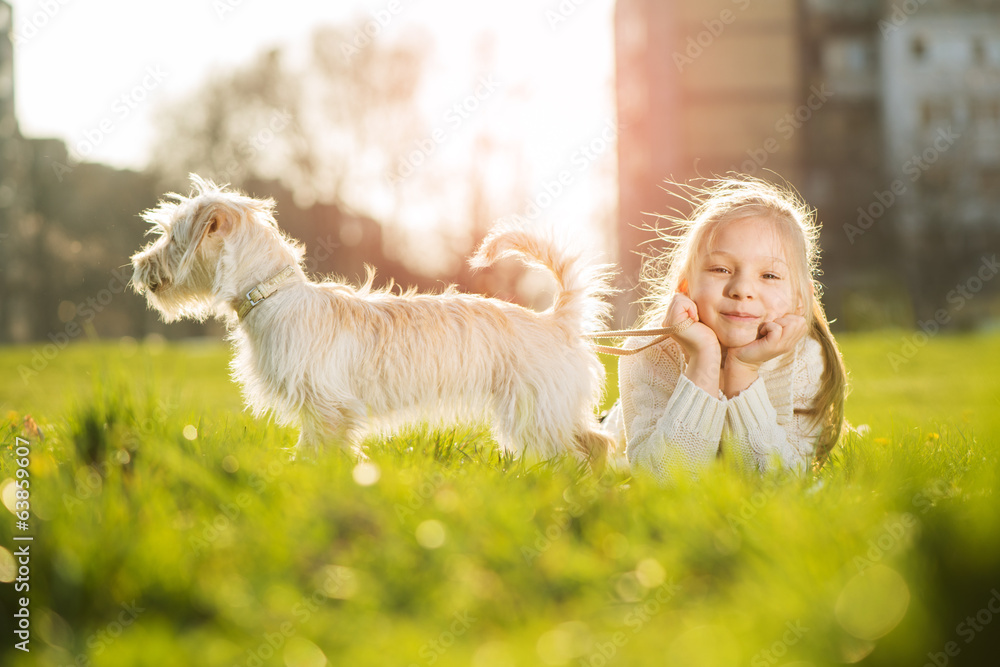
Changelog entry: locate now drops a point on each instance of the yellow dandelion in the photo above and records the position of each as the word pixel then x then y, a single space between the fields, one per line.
pixel 881 441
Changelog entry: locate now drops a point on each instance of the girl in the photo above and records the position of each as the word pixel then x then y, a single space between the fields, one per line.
pixel 757 377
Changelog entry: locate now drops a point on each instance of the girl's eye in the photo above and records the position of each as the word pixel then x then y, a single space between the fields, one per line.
pixel 772 276
pixel 718 269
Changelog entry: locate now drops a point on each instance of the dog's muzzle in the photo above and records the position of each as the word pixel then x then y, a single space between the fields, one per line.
pixel 146 280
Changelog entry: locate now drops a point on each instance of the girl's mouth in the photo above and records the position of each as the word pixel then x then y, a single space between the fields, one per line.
pixel 741 318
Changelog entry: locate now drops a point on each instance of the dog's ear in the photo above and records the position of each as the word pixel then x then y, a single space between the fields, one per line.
pixel 219 223
pixel 216 219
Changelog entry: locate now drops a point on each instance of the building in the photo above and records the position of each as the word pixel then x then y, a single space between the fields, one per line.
pixel 14 195
pixel 919 99
pixel 941 113
pixel 941 79
pixel 704 87
pixel 844 164
pixel 885 115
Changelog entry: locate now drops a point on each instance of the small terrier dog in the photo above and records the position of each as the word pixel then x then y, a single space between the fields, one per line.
pixel 340 361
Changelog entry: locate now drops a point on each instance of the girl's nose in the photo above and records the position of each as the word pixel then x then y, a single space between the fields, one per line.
pixel 739 288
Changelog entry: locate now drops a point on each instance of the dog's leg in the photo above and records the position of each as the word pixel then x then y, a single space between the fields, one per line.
pixel 594 446
pixel 309 442
pixel 515 425
pixel 324 426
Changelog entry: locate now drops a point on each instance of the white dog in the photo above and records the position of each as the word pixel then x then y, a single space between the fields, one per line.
pixel 341 361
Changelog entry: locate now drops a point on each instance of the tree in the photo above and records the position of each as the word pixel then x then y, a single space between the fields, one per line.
pixel 328 127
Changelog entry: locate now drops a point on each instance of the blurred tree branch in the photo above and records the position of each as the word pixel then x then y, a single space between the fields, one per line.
pixel 328 126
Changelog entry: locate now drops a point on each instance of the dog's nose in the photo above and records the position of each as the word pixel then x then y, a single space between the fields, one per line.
pixel 157 283
pixel 148 277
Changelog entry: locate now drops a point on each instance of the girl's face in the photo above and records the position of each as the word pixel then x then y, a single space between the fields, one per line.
pixel 741 280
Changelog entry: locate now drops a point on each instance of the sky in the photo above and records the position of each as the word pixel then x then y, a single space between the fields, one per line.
pixel 93 73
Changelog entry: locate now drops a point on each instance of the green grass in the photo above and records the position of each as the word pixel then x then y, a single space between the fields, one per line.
pixel 172 529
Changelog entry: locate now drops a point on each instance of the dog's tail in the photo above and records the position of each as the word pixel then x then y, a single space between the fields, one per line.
pixel 582 285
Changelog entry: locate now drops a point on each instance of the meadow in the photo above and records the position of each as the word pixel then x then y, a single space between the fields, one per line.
pixel 171 528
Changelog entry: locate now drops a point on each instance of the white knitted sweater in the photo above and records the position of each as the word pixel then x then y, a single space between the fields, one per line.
pixel 670 424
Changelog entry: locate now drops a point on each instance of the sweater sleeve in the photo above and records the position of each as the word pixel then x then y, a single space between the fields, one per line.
pixel 763 430
pixel 670 423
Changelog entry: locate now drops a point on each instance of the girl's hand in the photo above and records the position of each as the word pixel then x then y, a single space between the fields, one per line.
pixel 775 339
pixel 697 339
pixel 700 344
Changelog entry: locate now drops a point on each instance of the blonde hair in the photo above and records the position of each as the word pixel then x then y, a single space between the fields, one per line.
pixel 718 201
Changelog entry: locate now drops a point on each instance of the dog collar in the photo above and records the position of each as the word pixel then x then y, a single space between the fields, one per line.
pixel 263 290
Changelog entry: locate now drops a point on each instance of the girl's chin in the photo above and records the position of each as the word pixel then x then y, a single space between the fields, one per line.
pixel 737 338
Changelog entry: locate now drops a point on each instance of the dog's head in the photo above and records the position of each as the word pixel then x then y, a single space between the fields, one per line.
pixel 211 247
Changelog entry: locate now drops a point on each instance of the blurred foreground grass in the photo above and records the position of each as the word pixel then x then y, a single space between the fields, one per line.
pixel 171 529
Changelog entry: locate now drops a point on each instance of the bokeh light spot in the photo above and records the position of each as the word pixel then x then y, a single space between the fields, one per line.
pixel 873 602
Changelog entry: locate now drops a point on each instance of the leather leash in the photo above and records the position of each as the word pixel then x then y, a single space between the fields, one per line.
pixel 662 334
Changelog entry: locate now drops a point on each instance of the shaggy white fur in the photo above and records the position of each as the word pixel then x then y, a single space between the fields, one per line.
pixel 341 361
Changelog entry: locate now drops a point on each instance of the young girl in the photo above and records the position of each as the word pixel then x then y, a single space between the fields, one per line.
pixel 757 377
